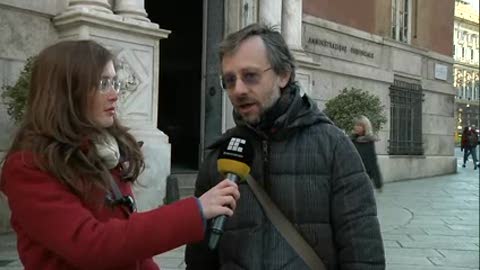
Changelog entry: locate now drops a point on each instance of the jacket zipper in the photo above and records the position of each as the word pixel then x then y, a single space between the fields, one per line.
pixel 266 180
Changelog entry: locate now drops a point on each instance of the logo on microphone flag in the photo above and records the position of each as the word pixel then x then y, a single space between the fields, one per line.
pixel 236 144
pixel 236 156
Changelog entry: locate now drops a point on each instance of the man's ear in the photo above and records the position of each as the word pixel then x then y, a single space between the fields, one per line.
pixel 284 78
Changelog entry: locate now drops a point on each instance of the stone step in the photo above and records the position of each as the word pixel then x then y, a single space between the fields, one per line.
pixel 186 183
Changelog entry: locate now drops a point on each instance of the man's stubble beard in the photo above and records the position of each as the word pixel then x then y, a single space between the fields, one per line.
pixel 271 101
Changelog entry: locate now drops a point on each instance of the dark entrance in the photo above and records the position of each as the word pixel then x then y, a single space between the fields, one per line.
pixel 180 78
pixel 190 96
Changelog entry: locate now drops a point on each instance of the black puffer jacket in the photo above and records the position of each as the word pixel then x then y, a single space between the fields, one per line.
pixel 313 173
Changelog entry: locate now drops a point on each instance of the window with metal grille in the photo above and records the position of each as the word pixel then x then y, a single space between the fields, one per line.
pixel 406 118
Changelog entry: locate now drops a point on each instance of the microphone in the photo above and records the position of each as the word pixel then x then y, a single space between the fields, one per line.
pixel 233 162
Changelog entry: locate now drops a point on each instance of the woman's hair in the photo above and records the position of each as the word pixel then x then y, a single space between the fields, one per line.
pixel 365 123
pixel 57 126
pixel 278 53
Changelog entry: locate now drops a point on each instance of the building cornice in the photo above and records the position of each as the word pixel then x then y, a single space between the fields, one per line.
pixel 466 66
pixel 123 24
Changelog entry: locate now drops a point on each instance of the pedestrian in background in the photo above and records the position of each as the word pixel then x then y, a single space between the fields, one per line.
pixel 68 174
pixel 364 140
pixel 304 163
pixel 469 146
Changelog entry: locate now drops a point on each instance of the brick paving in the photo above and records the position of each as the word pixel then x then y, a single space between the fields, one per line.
pixel 427 224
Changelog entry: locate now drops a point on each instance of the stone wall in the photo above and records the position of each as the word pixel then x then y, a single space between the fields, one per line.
pixel 24 33
pixel 25 28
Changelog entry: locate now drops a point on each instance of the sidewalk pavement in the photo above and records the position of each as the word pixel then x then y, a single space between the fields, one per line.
pixel 427 224
pixel 432 223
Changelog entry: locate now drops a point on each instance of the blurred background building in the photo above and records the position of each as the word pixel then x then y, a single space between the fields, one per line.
pixel 399 50
pixel 466 42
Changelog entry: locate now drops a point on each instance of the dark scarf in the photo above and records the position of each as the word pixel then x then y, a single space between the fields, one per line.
pixel 363 139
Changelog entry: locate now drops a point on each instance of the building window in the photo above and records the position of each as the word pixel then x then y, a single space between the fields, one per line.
pixel 476 90
pixel 468 90
pixel 401 23
pixel 405 118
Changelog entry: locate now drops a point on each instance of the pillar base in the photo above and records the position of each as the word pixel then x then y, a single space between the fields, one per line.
pixel 99 6
pixel 151 187
pixel 137 14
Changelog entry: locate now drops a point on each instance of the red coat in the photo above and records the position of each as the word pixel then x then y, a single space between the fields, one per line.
pixel 56 230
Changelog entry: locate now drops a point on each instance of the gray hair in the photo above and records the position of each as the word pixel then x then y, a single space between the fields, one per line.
pixel 363 121
pixel 278 53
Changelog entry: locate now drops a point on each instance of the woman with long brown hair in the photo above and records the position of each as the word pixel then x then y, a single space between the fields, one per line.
pixel 68 173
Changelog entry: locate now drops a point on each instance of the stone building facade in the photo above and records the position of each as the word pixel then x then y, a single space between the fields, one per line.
pixel 174 101
pixel 466 40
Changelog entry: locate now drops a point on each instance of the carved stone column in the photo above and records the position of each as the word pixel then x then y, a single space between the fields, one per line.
pixel 96 5
pixel 270 13
pixel 292 32
pixel 134 9
pixel 292 23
